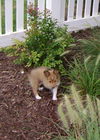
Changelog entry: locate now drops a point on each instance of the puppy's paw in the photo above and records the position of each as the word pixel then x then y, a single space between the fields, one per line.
pixel 54 99
pixel 37 97
pixel 40 88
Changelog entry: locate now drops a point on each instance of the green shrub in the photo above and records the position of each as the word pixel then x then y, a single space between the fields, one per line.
pixel 86 75
pixel 92 46
pixel 79 120
pixel 44 43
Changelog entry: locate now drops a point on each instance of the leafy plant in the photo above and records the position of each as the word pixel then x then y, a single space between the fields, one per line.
pixel 86 75
pixel 45 42
pixel 92 45
pixel 80 120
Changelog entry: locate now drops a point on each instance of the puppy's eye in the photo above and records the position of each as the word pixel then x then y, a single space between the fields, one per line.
pixel 50 81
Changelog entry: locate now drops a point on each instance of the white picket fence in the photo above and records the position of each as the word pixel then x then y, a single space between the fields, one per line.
pixel 77 14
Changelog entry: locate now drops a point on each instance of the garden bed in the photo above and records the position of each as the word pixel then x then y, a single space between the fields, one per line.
pixel 21 116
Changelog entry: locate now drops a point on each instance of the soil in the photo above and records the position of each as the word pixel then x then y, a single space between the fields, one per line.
pixel 21 116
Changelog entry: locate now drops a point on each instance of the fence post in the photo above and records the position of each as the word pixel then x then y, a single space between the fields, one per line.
pixel 41 5
pixel 71 4
pixel 95 7
pixel 49 4
pixel 0 17
pixel 87 8
pixel 58 9
pixel 19 15
pixel 79 9
pixel 8 16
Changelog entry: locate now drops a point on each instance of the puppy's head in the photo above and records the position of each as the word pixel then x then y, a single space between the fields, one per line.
pixel 52 77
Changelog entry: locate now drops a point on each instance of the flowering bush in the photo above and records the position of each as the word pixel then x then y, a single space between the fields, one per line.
pixel 45 41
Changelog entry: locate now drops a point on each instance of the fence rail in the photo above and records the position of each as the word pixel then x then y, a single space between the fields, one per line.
pixel 77 14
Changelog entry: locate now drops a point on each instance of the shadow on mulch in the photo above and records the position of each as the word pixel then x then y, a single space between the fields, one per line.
pixel 21 116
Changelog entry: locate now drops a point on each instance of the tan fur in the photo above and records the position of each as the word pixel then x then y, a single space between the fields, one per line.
pixel 50 78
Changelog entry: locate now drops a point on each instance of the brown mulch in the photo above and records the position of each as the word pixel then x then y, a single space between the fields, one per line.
pixel 21 116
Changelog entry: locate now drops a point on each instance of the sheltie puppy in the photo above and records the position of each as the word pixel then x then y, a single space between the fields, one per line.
pixel 49 78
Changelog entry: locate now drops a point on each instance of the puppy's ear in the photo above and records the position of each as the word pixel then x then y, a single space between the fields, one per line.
pixel 46 73
pixel 56 72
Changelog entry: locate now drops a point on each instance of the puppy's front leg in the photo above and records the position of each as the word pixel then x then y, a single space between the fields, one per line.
pixel 54 91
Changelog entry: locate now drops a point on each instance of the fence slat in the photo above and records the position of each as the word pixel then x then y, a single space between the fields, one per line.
pixel 79 9
pixel 87 8
pixel 19 15
pixel 8 16
pixel 95 7
pixel 49 4
pixel 41 5
pixel 0 17
pixel 62 10
pixel 58 9
pixel 71 5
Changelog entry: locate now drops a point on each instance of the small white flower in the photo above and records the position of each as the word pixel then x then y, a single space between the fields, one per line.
pixel 22 71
